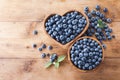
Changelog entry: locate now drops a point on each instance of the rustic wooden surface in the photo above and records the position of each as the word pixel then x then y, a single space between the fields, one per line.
pixel 19 61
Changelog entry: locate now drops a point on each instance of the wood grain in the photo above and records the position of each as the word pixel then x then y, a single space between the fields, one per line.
pixel 19 61
pixel 35 10
pixel 29 69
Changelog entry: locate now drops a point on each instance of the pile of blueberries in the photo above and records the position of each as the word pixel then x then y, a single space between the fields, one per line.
pixel 86 54
pixel 65 28
pixel 95 15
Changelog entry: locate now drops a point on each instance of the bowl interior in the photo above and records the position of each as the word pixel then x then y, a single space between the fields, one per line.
pixel 69 56
pixel 79 35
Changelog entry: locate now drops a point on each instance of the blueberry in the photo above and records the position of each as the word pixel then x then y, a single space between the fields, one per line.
pixel 35 32
pixel 97 7
pixel 86 54
pixel 50 47
pixel 93 60
pixel 96 63
pixel 105 10
pixel 113 36
pixel 52 60
pixel 99 59
pixel 90 67
pixel 98 13
pixel 109 37
pixel 34 45
pixel 43 46
pixel 93 12
pixel 89 15
pixel 104 46
pixel 48 54
pixel 86 9
pixel 61 37
pixel 90 54
pixel 80 54
pixel 99 30
pixel 74 27
pixel 86 65
pixel 40 49
pixel 43 55
pixel 109 20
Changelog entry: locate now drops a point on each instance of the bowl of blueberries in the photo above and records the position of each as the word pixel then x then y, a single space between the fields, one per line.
pixel 86 53
pixel 64 29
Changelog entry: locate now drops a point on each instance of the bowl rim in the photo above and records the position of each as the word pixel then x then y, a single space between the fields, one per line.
pixel 79 35
pixel 77 67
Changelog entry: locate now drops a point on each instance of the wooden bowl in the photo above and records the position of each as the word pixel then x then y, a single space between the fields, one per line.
pixel 67 44
pixel 77 67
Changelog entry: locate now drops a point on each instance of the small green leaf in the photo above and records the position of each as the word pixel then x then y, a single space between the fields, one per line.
pixel 101 24
pixel 56 64
pixel 61 58
pixel 48 64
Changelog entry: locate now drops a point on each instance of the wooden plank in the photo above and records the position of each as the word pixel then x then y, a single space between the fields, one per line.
pixel 30 69
pixel 35 10
pixel 16 40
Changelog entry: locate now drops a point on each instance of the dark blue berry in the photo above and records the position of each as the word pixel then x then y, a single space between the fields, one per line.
pixel 35 32
pixel 97 7
pixel 43 55
pixel 105 10
pixel 34 45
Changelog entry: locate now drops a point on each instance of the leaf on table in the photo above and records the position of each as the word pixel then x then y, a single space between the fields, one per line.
pixel 48 64
pixel 61 58
pixel 56 64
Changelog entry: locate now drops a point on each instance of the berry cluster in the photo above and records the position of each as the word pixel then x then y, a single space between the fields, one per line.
pixel 86 54
pixel 94 29
pixel 65 28
pixel 52 57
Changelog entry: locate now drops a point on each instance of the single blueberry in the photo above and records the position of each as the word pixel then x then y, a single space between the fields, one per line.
pixel 86 65
pixel 43 46
pixel 104 46
pixel 86 9
pixel 35 32
pixel 43 55
pixel 93 12
pixel 109 20
pixel 50 47
pixel 40 49
pixel 105 10
pixel 34 45
pixel 97 7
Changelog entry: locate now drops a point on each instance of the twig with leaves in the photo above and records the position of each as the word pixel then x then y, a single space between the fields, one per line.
pixel 55 63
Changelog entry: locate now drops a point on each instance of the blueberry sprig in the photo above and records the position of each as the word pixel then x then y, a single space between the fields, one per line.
pixel 55 61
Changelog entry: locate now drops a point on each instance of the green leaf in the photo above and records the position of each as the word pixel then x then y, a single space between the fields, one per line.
pixel 48 64
pixel 56 64
pixel 61 58
pixel 101 24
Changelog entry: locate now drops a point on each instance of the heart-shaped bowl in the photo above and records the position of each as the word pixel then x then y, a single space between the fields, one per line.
pixel 79 35
pixel 69 56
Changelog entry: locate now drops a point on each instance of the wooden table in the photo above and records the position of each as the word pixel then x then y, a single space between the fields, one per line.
pixel 19 61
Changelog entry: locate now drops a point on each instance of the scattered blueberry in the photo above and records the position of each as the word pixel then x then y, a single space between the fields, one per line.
pixel 97 7
pixel 109 20
pixel 34 45
pixel 43 55
pixel 50 47
pixel 35 32
pixel 43 46
pixel 48 54
pixel 105 10
pixel 113 36
pixel 40 49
